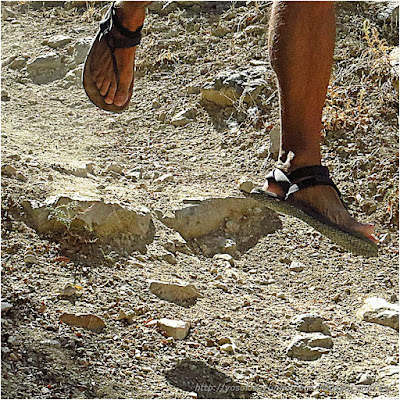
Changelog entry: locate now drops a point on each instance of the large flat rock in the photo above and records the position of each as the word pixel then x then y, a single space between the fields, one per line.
pixel 90 217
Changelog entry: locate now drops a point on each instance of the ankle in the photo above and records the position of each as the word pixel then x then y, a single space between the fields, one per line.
pixel 131 13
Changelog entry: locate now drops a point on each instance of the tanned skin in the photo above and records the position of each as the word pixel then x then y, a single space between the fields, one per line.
pixel 301 44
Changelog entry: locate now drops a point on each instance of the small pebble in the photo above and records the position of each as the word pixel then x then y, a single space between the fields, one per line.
pixel 30 257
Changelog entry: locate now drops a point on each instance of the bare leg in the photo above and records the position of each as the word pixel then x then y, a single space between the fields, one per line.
pixel 302 39
pixel 131 14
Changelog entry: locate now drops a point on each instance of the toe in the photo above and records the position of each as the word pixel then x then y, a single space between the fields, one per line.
pixel 104 87
pixel 109 99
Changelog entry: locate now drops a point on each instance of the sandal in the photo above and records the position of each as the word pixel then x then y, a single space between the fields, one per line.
pixel 124 39
pixel 301 179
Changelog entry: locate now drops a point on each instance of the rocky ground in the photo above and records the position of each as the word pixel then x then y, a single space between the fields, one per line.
pixel 132 266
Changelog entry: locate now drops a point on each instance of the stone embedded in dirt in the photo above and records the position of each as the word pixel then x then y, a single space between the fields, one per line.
pixel 87 321
pixel 30 257
pixel 5 96
pixel 168 257
pixel 8 170
pixel 246 185
pixel 309 347
pixel 176 292
pixel 164 178
pixel 183 117
pixel 217 258
pixel 51 343
pixel 57 41
pixel 68 291
pixel 229 86
pixel 394 62
pixel 228 348
pixel 296 266
pixel 125 227
pixel 21 177
pixel 118 169
pixel 18 63
pixel 381 312
pixel 366 379
pixel 123 316
pixel 206 216
pixel 389 12
pixel 5 306
pixel 225 340
pixel 310 323
pixel 263 151
pixel 174 328
pixel 80 49
pixel 45 68
pixel 389 375
pixel 274 142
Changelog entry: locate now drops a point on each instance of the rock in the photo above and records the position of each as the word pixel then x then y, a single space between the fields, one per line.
pixel 51 343
pixel 30 257
pixel 8 170
pixel 229 86
pixel 224 340
pixel 366 379
pixel 274 142
pixel 229 246
pixel 310 323
pixel 80 49
pixel 262 152
pixel 164 178
pixel 45 390
pixel 68 291
pixel 21 177
pixel 296 266
pixel 394 62
pixel 133 175
pixel 5 306
pixel 115 168
pixel 196 220
pixel 46 68
pixel 228 348
pixel 169 258
pixel 389 374
pixel 240 358
pixel 309 347
pixel 5 96
pixel 57 41
pixel 125 227
pixel 183 117
pixel 246 185
pixel 176 292
pixel 174 328
pixel 17 63
pixel 389 12
pixel 381 312
pixel 224 258
pixel 87 321
pixel 289 371
pixel 123 316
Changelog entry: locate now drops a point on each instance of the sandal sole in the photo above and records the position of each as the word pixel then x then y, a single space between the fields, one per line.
pixel 351 241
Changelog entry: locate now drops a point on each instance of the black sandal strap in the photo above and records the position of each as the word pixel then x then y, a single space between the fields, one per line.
pixel 129 38
pixel 316 175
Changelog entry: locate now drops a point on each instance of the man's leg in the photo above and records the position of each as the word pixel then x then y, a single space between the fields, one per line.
pixel 302 40
pixel 131 14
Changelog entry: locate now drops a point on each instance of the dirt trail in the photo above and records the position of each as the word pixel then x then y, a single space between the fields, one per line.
pixel 50 132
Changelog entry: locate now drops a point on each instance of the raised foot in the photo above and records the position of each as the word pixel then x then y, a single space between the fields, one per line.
pixel 117 89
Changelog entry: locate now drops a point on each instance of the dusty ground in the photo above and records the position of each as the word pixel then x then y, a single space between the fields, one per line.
pixel 51 128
